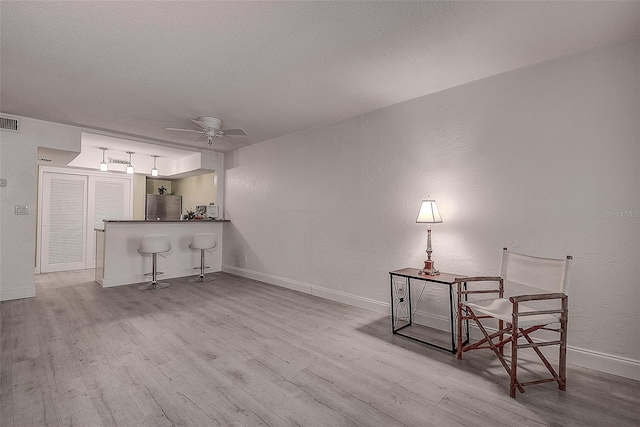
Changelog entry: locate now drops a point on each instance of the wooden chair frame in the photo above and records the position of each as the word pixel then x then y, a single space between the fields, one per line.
pixel 509 333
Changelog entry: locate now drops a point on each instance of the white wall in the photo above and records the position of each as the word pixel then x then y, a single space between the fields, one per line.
pixel 542 160
pixel 139 196
pixel 215 162
pixel 18 156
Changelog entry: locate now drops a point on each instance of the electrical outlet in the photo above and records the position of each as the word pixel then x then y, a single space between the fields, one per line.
pixel 3 182
pixel 22 209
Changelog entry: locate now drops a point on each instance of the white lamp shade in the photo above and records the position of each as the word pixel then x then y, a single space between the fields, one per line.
pixel 429 212
pixel 154 172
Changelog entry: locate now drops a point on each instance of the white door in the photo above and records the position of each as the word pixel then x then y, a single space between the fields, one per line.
pixel 109 198
pixel 64 218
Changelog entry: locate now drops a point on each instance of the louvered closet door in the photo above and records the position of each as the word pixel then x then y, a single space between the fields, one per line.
pixel 109 198
pixel 64 214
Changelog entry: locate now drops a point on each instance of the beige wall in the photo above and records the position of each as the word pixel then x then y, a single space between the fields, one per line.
pixel 196 190
pixel 139 193
pixel 154 184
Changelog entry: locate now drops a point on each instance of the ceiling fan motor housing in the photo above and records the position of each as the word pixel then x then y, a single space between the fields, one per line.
pixel 211 122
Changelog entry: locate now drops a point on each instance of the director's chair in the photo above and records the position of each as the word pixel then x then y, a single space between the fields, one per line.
pixel 546 309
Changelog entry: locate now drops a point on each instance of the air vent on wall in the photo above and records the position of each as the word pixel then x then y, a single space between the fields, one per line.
pixel 9 124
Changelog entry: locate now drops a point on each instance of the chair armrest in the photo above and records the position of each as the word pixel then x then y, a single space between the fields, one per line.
pixel 463 291
pixel 478 279
pixel 520 298
pixel 515 300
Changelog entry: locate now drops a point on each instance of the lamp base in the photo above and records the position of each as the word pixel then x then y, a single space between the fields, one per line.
pixel 429 269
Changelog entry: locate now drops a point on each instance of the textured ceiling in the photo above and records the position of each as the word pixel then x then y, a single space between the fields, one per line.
pixel 271 68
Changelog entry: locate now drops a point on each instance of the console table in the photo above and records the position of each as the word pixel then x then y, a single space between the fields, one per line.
pixel 401 310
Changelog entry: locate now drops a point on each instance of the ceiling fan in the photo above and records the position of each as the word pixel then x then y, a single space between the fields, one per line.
pixel 211 127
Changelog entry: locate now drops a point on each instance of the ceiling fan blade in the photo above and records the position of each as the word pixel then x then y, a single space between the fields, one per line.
pixel 186 130
pixel 233 132
pixel 234 140
pixel 199 123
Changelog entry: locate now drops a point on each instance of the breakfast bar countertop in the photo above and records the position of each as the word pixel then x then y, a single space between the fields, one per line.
pixel 142 221
pixel 118 261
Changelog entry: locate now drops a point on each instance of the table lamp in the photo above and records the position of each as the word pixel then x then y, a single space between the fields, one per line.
pixel 429 214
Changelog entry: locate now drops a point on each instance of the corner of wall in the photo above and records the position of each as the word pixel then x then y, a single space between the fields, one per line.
pixel 18 154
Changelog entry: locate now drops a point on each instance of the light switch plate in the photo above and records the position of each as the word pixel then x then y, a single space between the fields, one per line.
pixel 3 182
pixel 22 210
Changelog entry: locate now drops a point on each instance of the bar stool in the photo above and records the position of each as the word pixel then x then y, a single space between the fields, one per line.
pixel 154 244
pixel 204 242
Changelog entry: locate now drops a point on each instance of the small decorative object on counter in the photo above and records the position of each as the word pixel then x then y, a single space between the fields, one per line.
pixel 161 190
pixel 190 213
pixel 201 212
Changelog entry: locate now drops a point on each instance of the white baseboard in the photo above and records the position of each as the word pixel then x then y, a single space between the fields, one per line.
pixel 267 278
pixel 330 294
pixel 128 280
pixel 434 321
pixel 11 294
pixel 603 362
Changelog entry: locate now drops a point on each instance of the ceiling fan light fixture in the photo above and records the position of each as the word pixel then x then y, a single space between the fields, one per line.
pixel 154 171
pixel 103 165
pixel 211 127
pixel 130 166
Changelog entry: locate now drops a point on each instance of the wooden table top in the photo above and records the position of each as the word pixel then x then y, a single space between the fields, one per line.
pixel 414 273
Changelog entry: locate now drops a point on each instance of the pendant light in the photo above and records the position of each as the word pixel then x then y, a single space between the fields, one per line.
pixel 154 171
pixel 103 164
pixel 129 166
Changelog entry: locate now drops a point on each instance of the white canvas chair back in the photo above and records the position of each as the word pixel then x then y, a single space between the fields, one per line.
pixel 548 274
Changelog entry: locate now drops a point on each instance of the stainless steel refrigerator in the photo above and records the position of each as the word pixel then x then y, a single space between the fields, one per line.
pixel 163 207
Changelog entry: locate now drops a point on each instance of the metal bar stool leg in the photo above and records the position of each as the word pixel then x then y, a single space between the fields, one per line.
pixel 154 274
pixel 154 244
pixel 203 242
pixel 202 278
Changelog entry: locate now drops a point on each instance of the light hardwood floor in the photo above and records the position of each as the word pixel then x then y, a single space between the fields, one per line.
pixel 240 352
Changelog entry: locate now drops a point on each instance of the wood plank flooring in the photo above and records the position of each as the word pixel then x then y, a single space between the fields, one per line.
pixel 237 352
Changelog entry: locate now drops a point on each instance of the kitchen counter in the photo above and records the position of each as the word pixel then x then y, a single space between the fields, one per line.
pixel 119 263
pixel 139 221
